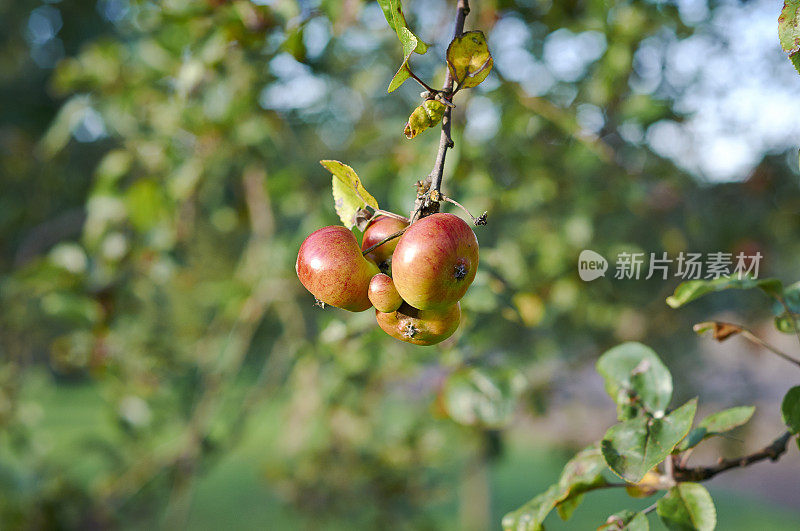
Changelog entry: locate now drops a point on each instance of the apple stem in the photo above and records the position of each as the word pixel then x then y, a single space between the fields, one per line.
pixel 480 220
pixel 371 248
pixel 379 212
pixel 426 204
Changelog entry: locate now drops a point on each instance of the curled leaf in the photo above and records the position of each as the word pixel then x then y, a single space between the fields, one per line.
pixel 426 115
pixel 469 59
pixel 721 331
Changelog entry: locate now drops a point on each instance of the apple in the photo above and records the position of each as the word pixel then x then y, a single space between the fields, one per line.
pixel 435 261
pixel 378 229
pixel 420 327
pixel 383 294
pixel 330 266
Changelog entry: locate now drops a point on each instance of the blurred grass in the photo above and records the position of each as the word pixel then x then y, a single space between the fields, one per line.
pixel 234 494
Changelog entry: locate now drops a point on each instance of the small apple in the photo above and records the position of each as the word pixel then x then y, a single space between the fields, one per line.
pixel 383 294
pixel 420 327
pixel 435 261
pixel 378 229
pixel 331 267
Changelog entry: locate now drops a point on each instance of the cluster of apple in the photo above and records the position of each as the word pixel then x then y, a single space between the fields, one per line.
pixel 430 266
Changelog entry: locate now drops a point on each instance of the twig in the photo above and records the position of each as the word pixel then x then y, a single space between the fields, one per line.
pixel 427 87
pixel 649 509
pixel 445 141
pixel 731 329
pixel 773 452
pixel 379 212
pixel 371 248
pixel 480 220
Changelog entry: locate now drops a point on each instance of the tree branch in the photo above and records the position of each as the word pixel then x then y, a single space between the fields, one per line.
pixel 773 452
pixel 430 201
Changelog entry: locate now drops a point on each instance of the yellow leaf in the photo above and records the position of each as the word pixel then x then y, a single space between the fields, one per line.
pixel 349 195
pixel 469 59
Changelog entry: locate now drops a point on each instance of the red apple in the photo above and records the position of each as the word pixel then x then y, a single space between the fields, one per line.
pixel 378 229
pixel 435 261
pixel 383 294
pixel 331 267
pixel 420 327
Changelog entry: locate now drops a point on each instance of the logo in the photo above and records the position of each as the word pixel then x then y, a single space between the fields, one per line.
pixel 591 265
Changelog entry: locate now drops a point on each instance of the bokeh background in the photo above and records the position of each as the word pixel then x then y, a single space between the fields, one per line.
pixel 160 364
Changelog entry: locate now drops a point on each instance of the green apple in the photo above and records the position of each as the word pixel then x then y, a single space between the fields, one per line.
pixel 330 266
pixel 435 261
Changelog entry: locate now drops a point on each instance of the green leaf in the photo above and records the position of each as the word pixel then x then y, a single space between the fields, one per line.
pixel 686 292
pixel 795 59
pixel 581 474
pixel 349 195
pixel 393 11
pixel 716 424
pixel 400 77
pixel 687 506
pixel 635 369
pixel 728 419
pixel 568 506
pixel 477 397
pixel 633 447
pixel 785 322
pixel 426 115
pixel 788 27
pixel 627 520
pixel 790 409
pixel 469 59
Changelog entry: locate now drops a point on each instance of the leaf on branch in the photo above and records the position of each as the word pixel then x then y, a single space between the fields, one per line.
pixel 717 424
pixel 790 409
pixel 686 292
pixel 635 378
pixel 687 506
pixel 393 11
pixel 789 31
pixel 626 520
pixel 581 474
pixel 633 447
pixel 426 115
pixel 795 59
pixel 469 59
pixel 477 397
pixel 349 195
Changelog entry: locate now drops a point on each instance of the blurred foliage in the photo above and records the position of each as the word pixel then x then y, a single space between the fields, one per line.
pixel 159 165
